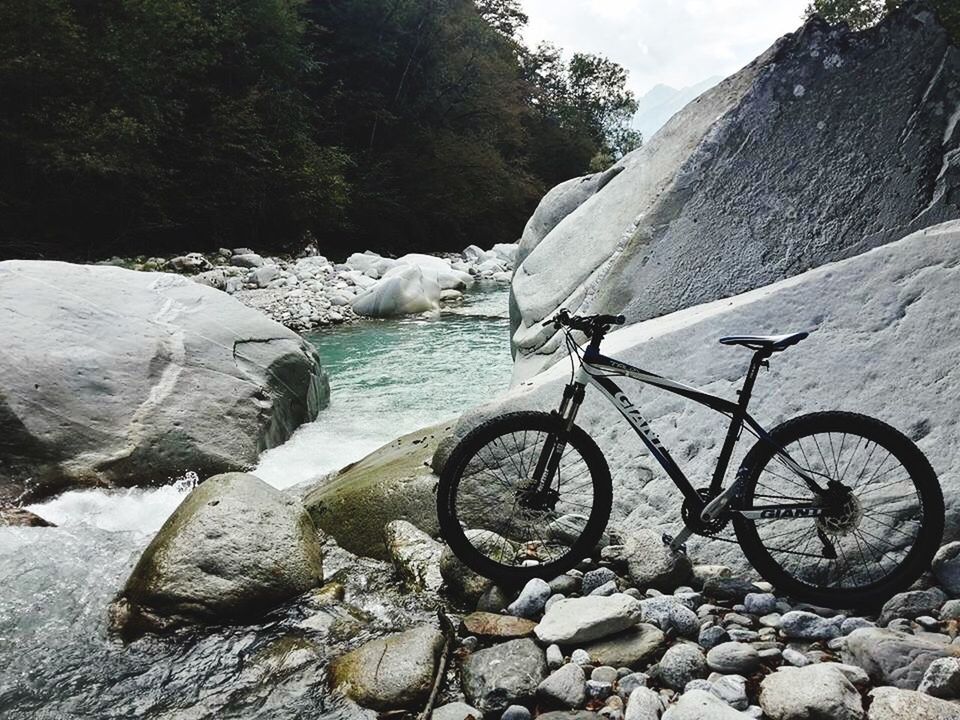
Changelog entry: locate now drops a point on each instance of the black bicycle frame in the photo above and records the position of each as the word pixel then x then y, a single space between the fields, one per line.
pixel 596 369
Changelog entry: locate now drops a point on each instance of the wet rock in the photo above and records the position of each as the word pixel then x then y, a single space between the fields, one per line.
pixel 942 679
pixel 491 625
pixel 680 664
pixel 456 711
pixel 504 674
pixel 733 657
pixel 19 517
pixel 391 483
pixel 702 705
pixel 804 625
pixel 579 620
pixel 233 549
pixel 815 692
pixel 652 564
pixel 887 703
pixel 912 604
pixel 946 568
pixel 125 384
pixel 894 658
pixel 532 599
pixel 415 554
pixel 564 688
pixel 631 648
pixel 390 673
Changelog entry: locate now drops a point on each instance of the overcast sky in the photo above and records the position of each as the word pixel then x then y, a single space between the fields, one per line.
pixel 675 42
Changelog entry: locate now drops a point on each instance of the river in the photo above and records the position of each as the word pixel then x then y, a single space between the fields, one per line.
pixel 57 659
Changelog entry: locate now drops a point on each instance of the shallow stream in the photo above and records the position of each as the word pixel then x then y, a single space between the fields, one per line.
pixel 57 659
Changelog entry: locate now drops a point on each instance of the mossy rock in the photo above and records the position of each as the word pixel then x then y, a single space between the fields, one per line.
pixel 394 482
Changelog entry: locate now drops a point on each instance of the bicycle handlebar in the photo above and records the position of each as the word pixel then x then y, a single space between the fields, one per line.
pixel 584 323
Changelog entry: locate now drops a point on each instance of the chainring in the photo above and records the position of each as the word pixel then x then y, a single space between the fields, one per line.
pixel 691 516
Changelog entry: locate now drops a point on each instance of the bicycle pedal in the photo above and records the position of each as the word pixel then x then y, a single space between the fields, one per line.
pixel 668 540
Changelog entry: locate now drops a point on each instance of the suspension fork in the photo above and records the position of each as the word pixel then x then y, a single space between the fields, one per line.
pixel 556 442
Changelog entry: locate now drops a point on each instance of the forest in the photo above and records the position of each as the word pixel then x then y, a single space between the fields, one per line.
pixel 156 126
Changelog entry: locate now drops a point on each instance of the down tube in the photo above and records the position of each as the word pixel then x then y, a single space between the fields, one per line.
pixel 649 437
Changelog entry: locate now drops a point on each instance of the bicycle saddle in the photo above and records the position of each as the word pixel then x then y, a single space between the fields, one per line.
pixel 773 343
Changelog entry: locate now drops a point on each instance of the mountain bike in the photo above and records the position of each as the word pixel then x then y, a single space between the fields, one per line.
pixel 834 508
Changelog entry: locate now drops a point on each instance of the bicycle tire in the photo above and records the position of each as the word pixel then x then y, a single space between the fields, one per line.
pixel 478 438
pixel 925 544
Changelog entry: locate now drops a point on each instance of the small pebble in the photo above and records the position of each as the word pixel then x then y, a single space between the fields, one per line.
pixel 469 643
pixel 516 712
pixel 604 673
pixel 795 657
pixel 554 657
pixel 598 690
pixel 580 657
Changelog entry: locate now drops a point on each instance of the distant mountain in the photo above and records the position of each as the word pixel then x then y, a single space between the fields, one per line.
pixel 662 102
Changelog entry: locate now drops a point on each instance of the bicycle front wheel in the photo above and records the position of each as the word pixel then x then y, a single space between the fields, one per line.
pixel 875 534
pixel 497 520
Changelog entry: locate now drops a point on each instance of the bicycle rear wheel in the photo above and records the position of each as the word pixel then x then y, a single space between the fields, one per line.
pixel 876 536
pixel 488 516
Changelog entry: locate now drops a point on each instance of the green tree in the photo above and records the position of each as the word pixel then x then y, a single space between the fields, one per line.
pixel 862 14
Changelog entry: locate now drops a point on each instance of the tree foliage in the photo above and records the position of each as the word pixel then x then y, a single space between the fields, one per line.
pixel 860 14
pixel 151 126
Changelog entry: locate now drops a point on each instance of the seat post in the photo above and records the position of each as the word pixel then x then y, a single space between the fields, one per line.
pixel 759 360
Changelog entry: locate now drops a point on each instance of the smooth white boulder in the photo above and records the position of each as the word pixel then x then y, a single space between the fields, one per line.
pixel 404 292
pixel 116 377
pixel 577 620
pixel 370 263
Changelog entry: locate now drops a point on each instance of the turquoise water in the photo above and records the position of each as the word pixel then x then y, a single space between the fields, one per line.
pixel 390 377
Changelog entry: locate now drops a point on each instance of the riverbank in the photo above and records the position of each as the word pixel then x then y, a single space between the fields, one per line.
pixel 308 292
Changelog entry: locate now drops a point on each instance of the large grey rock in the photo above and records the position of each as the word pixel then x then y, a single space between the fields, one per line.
pixel 702 705
pixel 415 554
pixel 912 604
pixel 530 602
pixel 895 658
pixel 233 549
pixel 946 566
pixel 888 703
pixel 670 614
pixel 652 564
pixel 395 672
pixel 719 183
pixel 564 688
pixel 814 692
pixel 115 377
pixel 579 620
pixel 499 676
pixel 631 648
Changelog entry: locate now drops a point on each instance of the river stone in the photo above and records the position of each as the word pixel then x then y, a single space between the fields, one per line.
pixel 803 625
pixel 814 692
pixel 680 664
pixel 643 704
pixel 759 603
pixel 888 703
pixel 702 705
pixel 942 679
pixel 233 549
pixel 404 290
pixel 670 614
pixel 894 658
pixel 456 711
pixel 491 625
pixel 246 260
pixel 504 674
pixel 628 248
pixel 391 483
pixel 531 601
pixel 415 554
pixel 733 657
pixel 912 604
pixel 595 579
pixel 652 564
pixel 144 376
pixel 19 517
pixel 568 715
pixel 946 567
pixel 564 688
pixel 732 589
pixel 579 620
pixel 395 672
pixel 630 648
pixel 732 689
